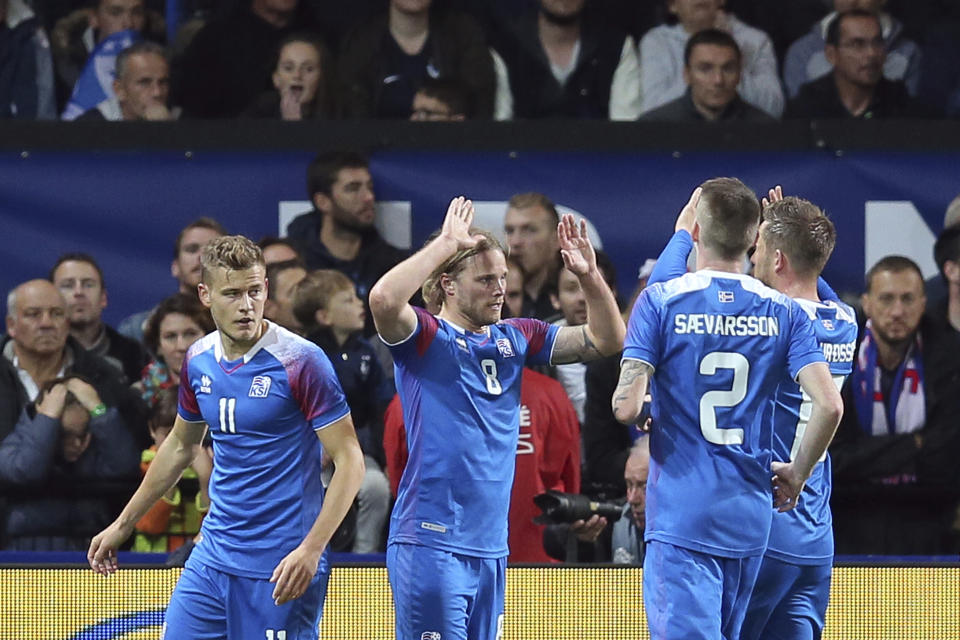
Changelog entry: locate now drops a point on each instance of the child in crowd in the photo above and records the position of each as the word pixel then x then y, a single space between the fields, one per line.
pixel 176 517
pixel 326 305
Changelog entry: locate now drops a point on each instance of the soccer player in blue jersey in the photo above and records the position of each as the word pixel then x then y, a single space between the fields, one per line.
pixel 458 375
pixel 272 400
pixel 716 345
pixel 795 241
pixel 790 598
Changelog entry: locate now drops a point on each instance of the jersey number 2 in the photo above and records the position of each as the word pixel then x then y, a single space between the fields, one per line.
pixel 725 398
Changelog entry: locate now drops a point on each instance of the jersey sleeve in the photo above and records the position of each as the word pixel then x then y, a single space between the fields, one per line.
pixel 540 338
pixel 317 390
pixel 803 348
pixel 643 340
pixel 672 262
pixel 417 343
pixel 187 406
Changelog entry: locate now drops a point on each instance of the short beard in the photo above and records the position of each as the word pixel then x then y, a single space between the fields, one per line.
pixel 559 19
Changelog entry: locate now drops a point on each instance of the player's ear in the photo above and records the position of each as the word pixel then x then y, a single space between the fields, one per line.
pixel 696 232
pixel 203 291
pixel 447 284
pixel 555 301
pixel 779 260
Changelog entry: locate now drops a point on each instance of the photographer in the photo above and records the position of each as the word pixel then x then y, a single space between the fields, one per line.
pixel 588 539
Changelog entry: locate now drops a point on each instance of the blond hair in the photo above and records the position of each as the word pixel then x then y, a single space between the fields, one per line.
pixel 431 291
pixel 233 253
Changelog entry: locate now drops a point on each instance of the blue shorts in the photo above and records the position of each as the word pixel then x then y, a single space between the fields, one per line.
pixel 693 595
pixel 439 594
pixel 208 604
pixel 788 602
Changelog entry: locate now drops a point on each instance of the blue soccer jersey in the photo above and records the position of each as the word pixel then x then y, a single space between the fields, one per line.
pixel 720 344
pixel 460 393
pixel 804 534
pixel 263 411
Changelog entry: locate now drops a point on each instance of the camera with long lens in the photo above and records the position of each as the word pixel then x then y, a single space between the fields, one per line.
pixel 559 508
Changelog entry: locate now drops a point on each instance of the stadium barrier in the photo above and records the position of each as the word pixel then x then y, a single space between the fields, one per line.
pixel 920 602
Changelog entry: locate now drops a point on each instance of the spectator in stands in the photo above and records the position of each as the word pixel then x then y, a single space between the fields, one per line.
pixel 283 278
pixel 895 452
pixel 38 349
pixel 177 323
pixel 339 233
pixel 325 303
pixel 946 252
pixel 662 54
pixel 565 61
pixel 936 286
pixel 856 88
pixel 80 280
pixel 711 69
pixel 76 35
pixel 277 250
pixel 530 226
pixel 572 305
pixel 627 541
pixel 26 67
pixel 513 291
pixel 384 61
pixel 303 82
pixel 230 61
pixel 806 59
pixel 185 267
pixel 439 100
pixel 141 87
pixel 57 458
pixel 175 518
pixel 940 74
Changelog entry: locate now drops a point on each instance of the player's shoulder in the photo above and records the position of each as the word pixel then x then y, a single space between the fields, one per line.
pixel 206 344
pixel 288 348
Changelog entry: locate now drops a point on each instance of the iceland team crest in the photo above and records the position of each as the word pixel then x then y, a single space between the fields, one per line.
pixel 260 387
pixel 505 348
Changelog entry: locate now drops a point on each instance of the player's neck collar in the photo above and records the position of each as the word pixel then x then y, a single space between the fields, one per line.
pixel 269 336
pixel 485 330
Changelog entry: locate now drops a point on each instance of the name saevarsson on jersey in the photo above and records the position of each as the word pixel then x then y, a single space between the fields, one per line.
pixel 721 325
pixel 838 352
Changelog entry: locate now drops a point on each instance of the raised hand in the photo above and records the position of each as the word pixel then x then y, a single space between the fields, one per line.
pixel 773 195
pixel 456 224
pixel 688 215
pixel 575 247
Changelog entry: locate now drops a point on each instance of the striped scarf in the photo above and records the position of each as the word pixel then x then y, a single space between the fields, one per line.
pixel 906 411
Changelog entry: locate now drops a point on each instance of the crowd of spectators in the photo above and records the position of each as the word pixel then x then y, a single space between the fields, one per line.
pixel 83 407
pixel 677 60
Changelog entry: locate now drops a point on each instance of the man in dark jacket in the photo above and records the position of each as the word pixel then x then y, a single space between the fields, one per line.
pixel 339 234
pixel 856 88
pixel 39 349
pixel 567 62
pixel 385 60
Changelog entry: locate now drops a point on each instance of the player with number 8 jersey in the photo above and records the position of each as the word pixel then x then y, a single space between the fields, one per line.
pixel 458 374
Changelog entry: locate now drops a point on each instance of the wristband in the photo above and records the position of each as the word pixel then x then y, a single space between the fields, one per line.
pixel 98 410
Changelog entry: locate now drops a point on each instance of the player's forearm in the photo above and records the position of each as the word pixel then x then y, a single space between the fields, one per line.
pixel 394 289
pixel 344 485
pixel 824 418
pixel 604 321
pixel 631 390
pixel 172 458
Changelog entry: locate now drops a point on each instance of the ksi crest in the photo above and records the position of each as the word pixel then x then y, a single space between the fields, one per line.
pixel 260 387
pixel 504 347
